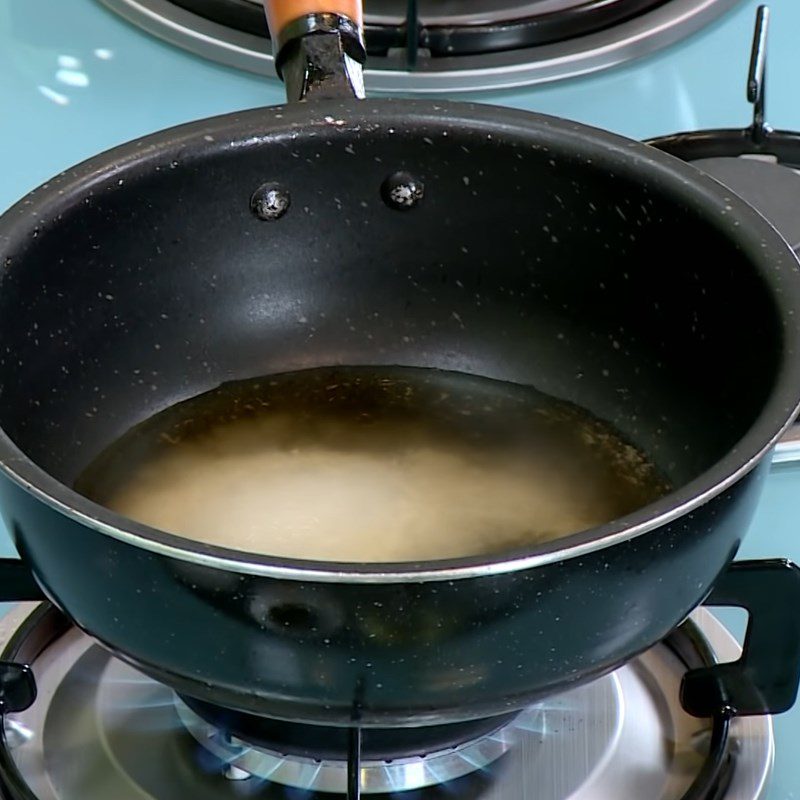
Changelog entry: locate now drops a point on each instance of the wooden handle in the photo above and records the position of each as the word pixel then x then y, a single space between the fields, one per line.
pixel 281 12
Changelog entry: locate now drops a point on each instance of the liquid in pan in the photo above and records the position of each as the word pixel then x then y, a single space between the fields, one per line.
pixel 367 464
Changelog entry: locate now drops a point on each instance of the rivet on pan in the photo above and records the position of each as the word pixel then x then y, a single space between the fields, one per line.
pixel 270 201
pixel 402 191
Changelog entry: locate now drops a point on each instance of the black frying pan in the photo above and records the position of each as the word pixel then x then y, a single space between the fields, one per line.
pixel 680 309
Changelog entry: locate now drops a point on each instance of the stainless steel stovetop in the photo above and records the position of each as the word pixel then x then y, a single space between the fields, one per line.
pixel 99 730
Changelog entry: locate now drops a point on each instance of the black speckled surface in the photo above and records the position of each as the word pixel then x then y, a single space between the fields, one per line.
pixel 542 252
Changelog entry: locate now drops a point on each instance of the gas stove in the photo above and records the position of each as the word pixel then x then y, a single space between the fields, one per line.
pixel 99 729
pixel 83 75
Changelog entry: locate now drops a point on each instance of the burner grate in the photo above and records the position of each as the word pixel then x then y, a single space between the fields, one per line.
pixel 132 742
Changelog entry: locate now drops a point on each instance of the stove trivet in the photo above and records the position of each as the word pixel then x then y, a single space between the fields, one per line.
pixel 759 164
pixel 329 743
pixel 376 776
pixel 101 730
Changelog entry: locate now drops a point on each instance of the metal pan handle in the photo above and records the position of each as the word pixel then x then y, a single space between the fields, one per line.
pixel 319 47
pixel 765 679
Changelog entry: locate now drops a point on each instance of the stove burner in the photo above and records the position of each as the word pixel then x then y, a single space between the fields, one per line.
pixel 314 757
pixel 101 730
pixel 457 27
pixel 328 743
pixel 243 760
pixel 447 45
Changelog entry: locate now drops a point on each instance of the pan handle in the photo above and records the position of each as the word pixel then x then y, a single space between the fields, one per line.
pixel 319 47
pixel 765 679
pixel 281 12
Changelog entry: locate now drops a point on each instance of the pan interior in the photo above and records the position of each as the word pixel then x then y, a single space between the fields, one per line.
pixel 528 260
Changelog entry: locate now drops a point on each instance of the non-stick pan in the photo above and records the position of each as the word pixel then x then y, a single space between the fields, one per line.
pixel 337 231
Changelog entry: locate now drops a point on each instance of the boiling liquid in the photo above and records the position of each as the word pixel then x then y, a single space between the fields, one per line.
pixel 372 465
